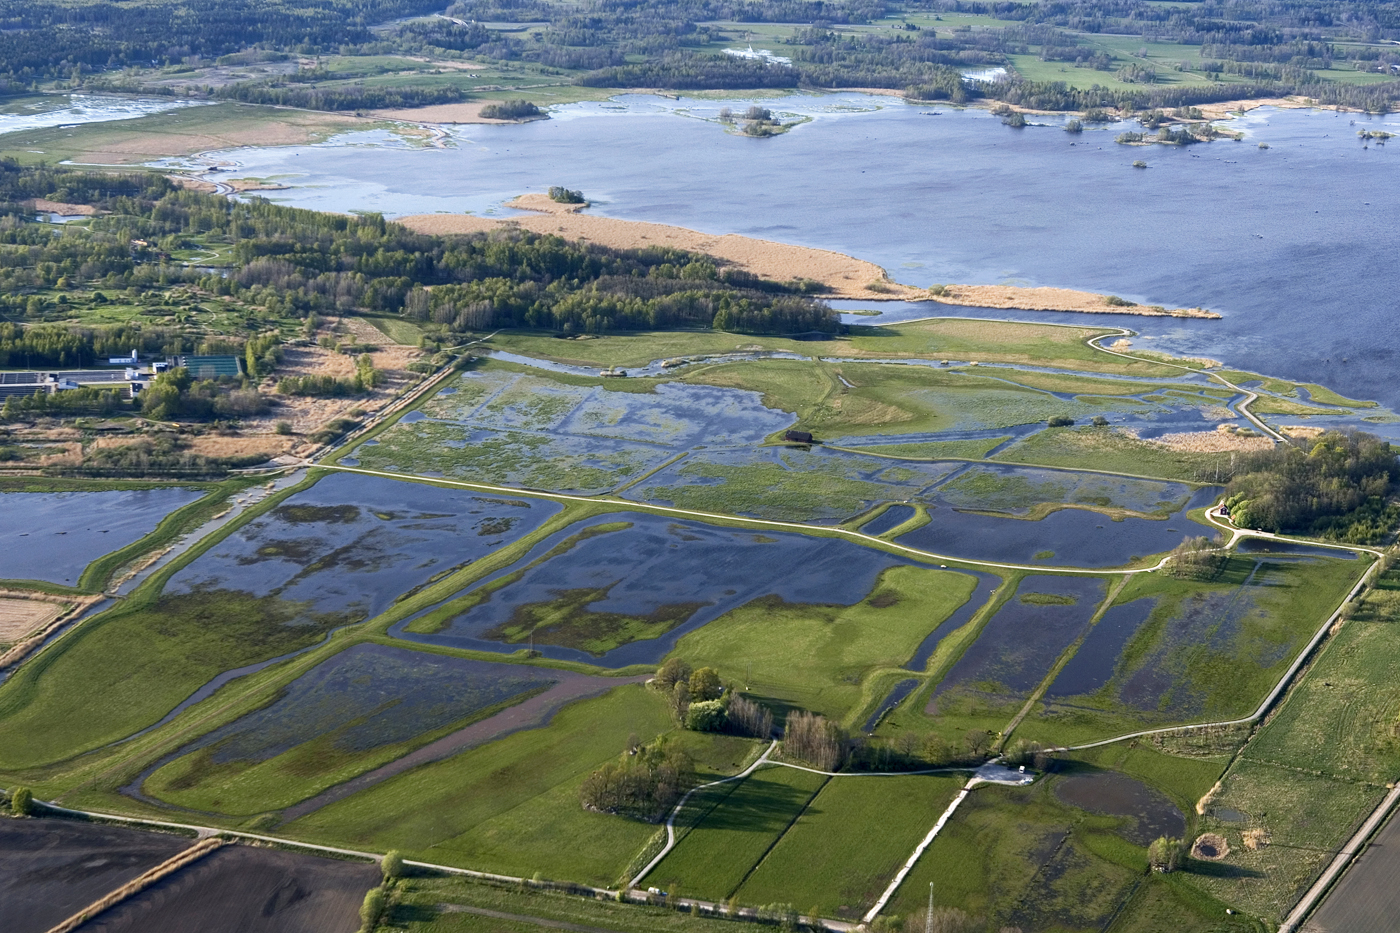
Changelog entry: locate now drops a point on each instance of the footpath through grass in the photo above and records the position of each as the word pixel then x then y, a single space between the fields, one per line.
pixel 849 842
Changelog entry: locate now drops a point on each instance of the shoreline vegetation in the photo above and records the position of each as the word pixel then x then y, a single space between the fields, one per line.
pixel 836 274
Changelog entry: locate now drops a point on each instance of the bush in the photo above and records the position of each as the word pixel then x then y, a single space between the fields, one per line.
pixel 391 865
pixel 1100 421
pixel 284 427
pixel 563 195
pixel 706 716
pixel 371 909
pixel 511 110
pixel 22 801
pixel 1164 854
pixel 1061 421
pixel 1074 126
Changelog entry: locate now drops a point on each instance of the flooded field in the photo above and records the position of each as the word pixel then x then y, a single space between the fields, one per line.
pixel 642 581
pixel 789 483
pixel 1069 537
pixel 1018 490
pixel 1113 794
pixel 353 543
pixel 367 699
pixel 1018 646
pixel 517 429
pixel 53 536
pixel 50 868
pixel 1092 665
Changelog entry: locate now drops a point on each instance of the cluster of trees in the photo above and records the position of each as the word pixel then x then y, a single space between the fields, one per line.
pixel 700 701
pixel 366 378
pixel 297 262
pixel 512 110
pixel 1197 558
pixel 86 400
pixel 176 395
pixel 57 39
pixel 1339 485
pixel 645 783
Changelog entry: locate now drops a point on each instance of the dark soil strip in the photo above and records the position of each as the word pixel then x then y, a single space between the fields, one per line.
pixel 239 888
pixel 52 868
pixel 520 918
pixel 533 713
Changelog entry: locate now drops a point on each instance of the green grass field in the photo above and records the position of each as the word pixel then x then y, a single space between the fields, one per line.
pixel 820 657
pixel 715 858
pixel 1112 451
pixel 505 806
pixel 831 861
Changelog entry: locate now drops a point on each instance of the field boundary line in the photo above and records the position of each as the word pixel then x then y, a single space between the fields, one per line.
pixel 1340 862
pixel 671 820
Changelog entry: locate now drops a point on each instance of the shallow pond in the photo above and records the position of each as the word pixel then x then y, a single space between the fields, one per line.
pixel 656 578
pixel 53 536
pixel 354 542
pixel 892 517
pixel 1113 794
pixel 1021 642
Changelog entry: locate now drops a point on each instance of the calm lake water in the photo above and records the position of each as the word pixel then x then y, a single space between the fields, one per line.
pixel 1295 244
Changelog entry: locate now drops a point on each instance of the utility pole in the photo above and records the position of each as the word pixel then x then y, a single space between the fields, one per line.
pixel 928 924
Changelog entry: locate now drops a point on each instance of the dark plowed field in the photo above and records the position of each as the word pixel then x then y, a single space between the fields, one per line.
pixel 240 889
pixel 1367 899
pixel 51 869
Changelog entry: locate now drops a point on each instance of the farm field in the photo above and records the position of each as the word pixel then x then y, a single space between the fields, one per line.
pixel 51 869
pixel 239 888
pixel 830 860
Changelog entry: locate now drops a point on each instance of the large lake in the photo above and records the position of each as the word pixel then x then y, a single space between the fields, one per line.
pixel 1295 244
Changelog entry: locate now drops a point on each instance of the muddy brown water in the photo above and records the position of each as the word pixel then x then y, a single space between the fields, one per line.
pixel 1113 794
pixel 239 889
pixel 50 869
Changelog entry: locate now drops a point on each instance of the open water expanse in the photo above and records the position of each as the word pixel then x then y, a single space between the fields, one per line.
pixel 1294 244
pixel 52 536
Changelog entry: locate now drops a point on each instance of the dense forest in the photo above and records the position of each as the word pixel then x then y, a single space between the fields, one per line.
pixel 1265 48
pixel 297 262
pixel 1337 485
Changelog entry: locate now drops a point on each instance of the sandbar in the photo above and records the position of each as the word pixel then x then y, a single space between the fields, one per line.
pixel 465 112
pixel 841 276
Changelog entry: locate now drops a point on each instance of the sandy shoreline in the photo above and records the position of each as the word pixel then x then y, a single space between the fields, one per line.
pixel 842 276
pixel 467 112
